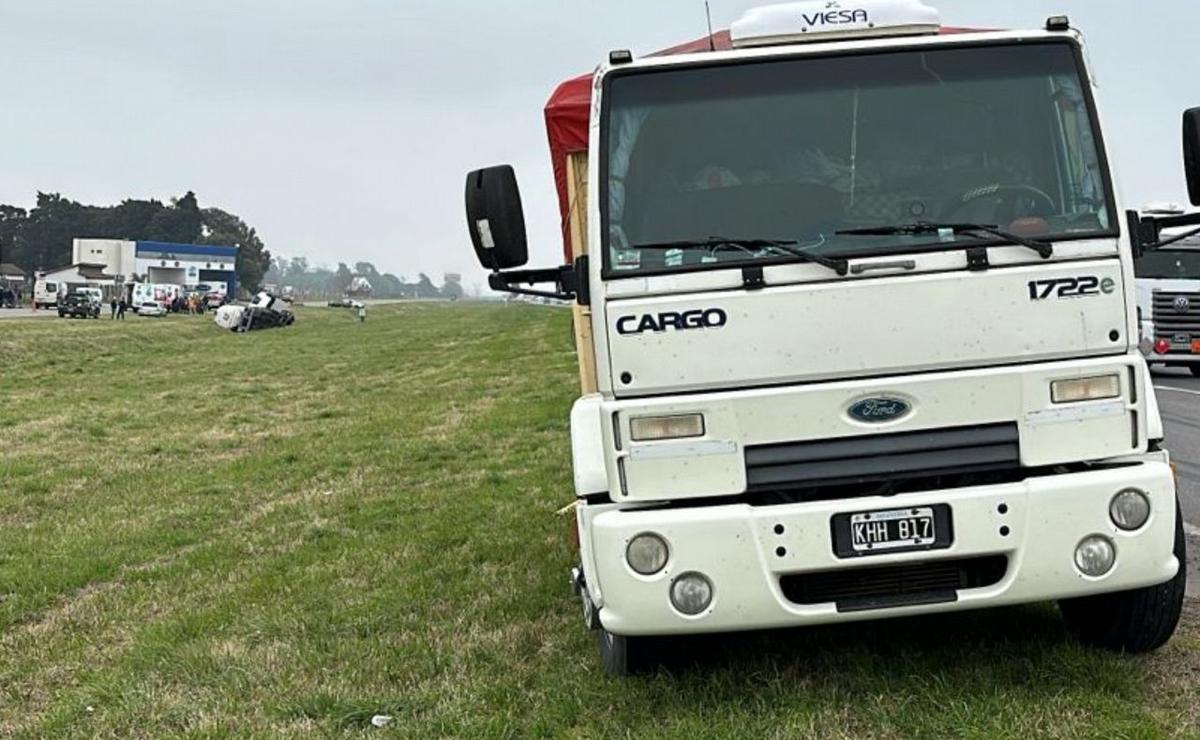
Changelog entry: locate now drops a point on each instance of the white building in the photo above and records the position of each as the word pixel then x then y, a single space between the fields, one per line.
pixel 160 262
pixel 78 275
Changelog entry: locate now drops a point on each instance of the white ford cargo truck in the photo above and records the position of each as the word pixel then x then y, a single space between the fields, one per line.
pixel 857 330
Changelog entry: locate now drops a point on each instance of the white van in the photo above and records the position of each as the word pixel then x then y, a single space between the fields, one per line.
pixel 45 293
pixel 161 293
pixel 96 294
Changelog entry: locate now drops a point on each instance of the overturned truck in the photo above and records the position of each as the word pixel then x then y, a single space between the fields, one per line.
pixel 267 312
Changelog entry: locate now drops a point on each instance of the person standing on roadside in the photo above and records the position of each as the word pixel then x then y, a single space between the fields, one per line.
pixel 362 312
pixel 113 305
pixel 121 309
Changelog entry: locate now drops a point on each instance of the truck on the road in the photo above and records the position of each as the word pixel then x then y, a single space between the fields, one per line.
pixel 1168 304
pixel 79 305
pixel 855 314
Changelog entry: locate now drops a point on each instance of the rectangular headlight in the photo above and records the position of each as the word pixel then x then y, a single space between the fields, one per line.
pixel 1085 389
pixel 649 428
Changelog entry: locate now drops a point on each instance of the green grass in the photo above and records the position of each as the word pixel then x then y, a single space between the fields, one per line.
pixel 285 533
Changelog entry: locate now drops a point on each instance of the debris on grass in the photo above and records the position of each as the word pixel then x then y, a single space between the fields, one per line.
pixel 382 720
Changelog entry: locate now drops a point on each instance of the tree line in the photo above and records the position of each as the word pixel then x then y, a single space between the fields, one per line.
pixel 40 238
pixel 309 281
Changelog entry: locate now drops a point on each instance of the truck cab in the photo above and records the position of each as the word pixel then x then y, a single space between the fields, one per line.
pixel 857 300
pixel 1168 304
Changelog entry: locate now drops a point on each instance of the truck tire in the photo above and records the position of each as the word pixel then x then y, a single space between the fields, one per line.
pixel 1135 621
pixel 625 656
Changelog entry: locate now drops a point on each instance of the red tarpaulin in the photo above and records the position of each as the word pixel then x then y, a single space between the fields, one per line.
pixel 569 109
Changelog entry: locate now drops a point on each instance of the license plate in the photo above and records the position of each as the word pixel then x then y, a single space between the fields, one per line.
pixel 891 530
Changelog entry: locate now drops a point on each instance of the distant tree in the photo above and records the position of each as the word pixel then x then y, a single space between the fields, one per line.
pixel 342 278
pixel 367 270
pixel 425 287
pixel 11 221
pixel 253 259
pixel 276 273
pixel 182 223
pixel 131 219
pixel 452 290
pixel 390 286
pixel 48 231
pixel 41 238
pixel 297 268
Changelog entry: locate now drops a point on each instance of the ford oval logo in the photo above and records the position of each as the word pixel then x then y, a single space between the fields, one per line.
pixel 879 410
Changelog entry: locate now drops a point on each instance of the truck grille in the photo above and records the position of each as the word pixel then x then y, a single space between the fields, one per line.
pixel 859 589
pixel 883 457
pixel 1178 325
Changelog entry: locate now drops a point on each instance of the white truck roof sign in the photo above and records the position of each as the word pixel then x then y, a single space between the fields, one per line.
pixel 822 20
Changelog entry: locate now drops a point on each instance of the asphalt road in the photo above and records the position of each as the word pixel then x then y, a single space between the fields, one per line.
pixel 1179 401
pixel 24 313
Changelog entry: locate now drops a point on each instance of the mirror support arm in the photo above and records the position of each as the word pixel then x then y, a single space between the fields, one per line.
pixel 566 280
pixel 1146 231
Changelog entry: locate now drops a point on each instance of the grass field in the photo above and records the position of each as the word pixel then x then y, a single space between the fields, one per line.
pixel 288 532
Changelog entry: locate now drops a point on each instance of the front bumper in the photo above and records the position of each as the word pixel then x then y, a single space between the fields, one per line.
pixel 1180 353
pixel 738 548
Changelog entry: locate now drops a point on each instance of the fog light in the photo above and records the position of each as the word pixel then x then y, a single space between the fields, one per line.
pixel 1129 509
pixel 1095 555
pixel 1085 389
pixel 650 428
pixel 646 554
pixel 691 593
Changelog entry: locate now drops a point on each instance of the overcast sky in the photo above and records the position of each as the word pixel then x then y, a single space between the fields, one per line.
pixel 342 129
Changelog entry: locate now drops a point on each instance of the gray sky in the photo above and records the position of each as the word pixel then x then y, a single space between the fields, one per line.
pixel 342 129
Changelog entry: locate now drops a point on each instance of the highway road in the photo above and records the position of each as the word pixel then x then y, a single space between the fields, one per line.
pixel 1179 400
pixel 24 313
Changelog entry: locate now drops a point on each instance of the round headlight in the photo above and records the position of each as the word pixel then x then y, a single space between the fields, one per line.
pixel 646 554
pixel 691 593
pixel 1095 555
pixel 1129 509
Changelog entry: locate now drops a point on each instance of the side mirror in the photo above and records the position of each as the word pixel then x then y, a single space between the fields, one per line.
pixel 495 218
pixel 1191 153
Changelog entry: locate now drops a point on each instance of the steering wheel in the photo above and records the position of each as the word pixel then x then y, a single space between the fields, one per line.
pixel 1008 197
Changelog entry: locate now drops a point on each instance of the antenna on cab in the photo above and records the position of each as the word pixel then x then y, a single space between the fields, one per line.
pixel 712 44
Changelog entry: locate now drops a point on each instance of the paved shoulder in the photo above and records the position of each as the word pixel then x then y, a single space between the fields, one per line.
pixel 1179 400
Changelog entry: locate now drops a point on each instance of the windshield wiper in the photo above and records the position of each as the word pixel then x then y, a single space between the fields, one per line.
pixel 923 228
pixel 718 243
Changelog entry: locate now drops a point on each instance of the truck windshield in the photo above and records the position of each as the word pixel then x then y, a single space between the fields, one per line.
pixel 797 149
pixel 1169 264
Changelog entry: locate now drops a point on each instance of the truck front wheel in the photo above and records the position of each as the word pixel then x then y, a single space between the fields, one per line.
pixel 1134 621
pixel 624 656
